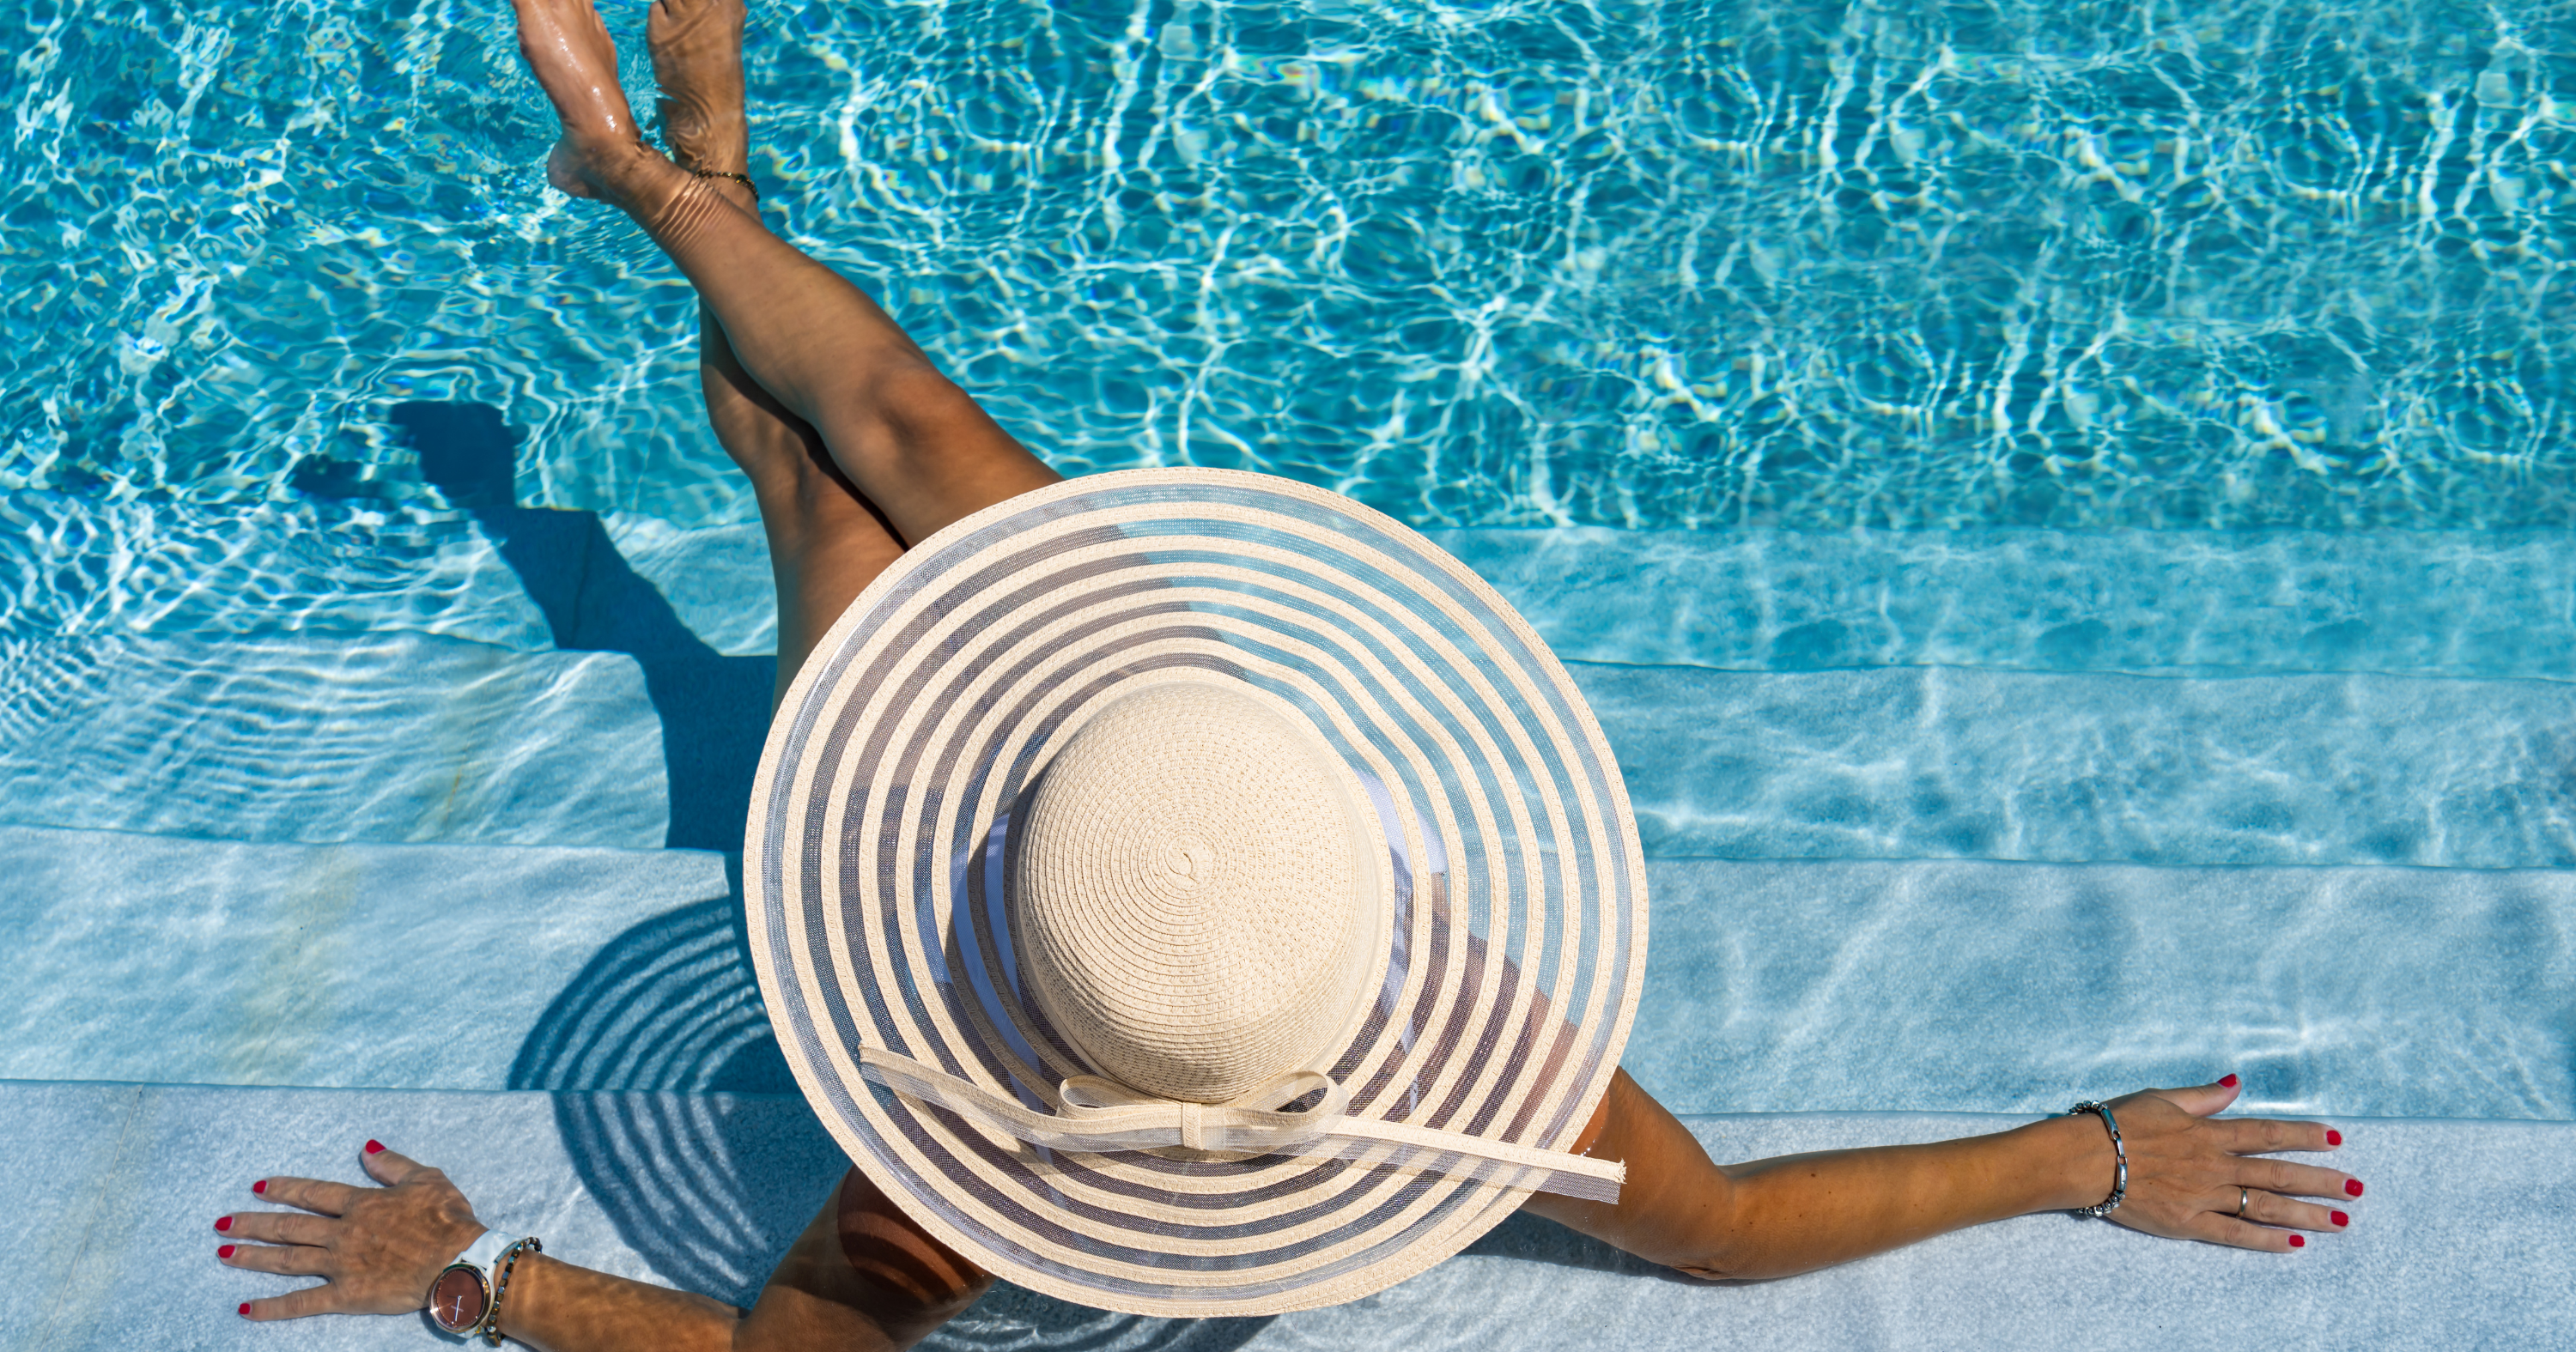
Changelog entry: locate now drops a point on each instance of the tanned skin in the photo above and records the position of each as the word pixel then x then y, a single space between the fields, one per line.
pixel 856 444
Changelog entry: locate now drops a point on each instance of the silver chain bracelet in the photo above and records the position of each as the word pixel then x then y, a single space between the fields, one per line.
pixel 2120 1181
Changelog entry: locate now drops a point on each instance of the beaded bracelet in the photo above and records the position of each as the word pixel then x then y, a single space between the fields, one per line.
pixel 743 179
pixel 2120 1181
pixel 491 1329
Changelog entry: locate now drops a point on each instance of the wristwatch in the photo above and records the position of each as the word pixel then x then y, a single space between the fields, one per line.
pixel 462 1294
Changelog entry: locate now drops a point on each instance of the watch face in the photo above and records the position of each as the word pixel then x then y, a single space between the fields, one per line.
pixel 457 1299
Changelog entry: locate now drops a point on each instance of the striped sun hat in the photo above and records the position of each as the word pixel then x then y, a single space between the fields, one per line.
pixel 1190 892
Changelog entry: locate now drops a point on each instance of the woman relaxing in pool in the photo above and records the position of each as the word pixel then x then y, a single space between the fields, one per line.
pixel 856 446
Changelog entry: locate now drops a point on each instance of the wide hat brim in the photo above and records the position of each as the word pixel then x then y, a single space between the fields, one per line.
pixel 874 877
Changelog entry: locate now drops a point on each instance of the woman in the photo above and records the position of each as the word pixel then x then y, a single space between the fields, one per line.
pixel 856 445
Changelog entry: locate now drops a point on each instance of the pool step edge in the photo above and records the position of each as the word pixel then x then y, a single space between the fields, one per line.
pixel 2467 1235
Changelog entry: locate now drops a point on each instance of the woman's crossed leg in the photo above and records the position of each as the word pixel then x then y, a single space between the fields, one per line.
pixel 855 444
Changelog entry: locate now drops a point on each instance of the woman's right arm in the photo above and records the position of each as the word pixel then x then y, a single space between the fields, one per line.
pixel 861 1278
pixel 1779 1217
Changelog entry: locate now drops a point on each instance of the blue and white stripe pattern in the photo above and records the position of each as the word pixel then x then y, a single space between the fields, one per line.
pixel 923 718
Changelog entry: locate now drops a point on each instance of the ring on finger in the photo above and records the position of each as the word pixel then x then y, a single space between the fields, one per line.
pixel 2244 1199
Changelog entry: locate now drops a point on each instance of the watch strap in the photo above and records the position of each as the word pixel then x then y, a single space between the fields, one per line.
pixel 484 1254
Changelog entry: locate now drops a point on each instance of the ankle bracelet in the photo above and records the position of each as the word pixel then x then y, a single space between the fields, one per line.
pixel 678 159
pixel 743 179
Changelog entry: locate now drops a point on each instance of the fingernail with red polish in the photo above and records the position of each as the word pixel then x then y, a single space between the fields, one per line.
pixel 2229 1079
pixel 2340 1218
pixel 375 1147
pixel 2298 1241
pixel 224 1252
pixel 223 1223
pixel 245 1309
pixel 2352 1187
pixel 260 1186
pixel 2333 1137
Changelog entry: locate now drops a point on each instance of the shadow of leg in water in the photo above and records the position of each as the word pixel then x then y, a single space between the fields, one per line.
pixel 714 709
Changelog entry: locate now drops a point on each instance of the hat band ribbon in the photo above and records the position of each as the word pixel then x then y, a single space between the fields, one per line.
pixel 1102 1115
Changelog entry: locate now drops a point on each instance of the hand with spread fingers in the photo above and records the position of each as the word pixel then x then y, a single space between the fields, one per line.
pixel 376 1249
pixel 2193 1175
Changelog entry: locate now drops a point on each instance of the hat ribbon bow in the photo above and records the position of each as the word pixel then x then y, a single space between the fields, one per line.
pixel 1098 1115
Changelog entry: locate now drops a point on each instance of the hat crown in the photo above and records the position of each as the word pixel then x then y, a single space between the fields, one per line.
pixel 1199 900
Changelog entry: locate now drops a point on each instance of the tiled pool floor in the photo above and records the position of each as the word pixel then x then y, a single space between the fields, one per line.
pixel 379 846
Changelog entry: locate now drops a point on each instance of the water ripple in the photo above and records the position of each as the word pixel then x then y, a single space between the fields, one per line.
pixel 1505 263
pixel 395 737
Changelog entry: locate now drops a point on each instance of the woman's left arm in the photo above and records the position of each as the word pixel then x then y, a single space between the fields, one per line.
pixel 1778 1217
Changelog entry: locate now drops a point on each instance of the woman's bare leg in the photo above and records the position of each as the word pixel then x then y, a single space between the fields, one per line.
pixel 826 540
pixel 908 440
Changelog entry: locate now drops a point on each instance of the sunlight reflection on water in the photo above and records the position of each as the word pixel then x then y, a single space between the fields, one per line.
pixel 1510 263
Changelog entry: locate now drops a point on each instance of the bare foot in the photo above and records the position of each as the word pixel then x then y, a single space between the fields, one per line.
pixel 600 153
pixel 697 59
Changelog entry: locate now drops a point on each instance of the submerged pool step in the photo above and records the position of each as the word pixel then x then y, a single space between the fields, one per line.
pixel 509 577
pixel 73 564
pixel 1947 762
pixel 2439 603
pixel 1771 986
pixel 411 966
pixel 2431 603
pixel 1852 986
pixel 120 1185
pixel 411 737
pixel 377 737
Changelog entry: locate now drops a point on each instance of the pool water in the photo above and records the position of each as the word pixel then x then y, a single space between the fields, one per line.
pixel 2061 509
pixel 1640 265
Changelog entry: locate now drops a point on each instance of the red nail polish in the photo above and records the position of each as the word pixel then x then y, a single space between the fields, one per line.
pixel 2298 1241
pixel 260 1186
pixel 375 1147
pixel 2333 1137
pixel 2340 1218
pixel 224 1252
pixel 2352 1187
pixel 223 1223
pixel 245 1309
pixel 2229 1079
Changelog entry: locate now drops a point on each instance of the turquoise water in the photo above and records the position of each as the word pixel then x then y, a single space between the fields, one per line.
pixel 2062 512
pixel 1672 265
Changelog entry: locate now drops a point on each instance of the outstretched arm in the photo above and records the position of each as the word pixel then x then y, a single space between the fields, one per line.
pixel 1778 1217
pixel 862 1278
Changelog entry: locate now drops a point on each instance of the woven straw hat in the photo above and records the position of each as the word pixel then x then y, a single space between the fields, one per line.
pixel 1190 892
